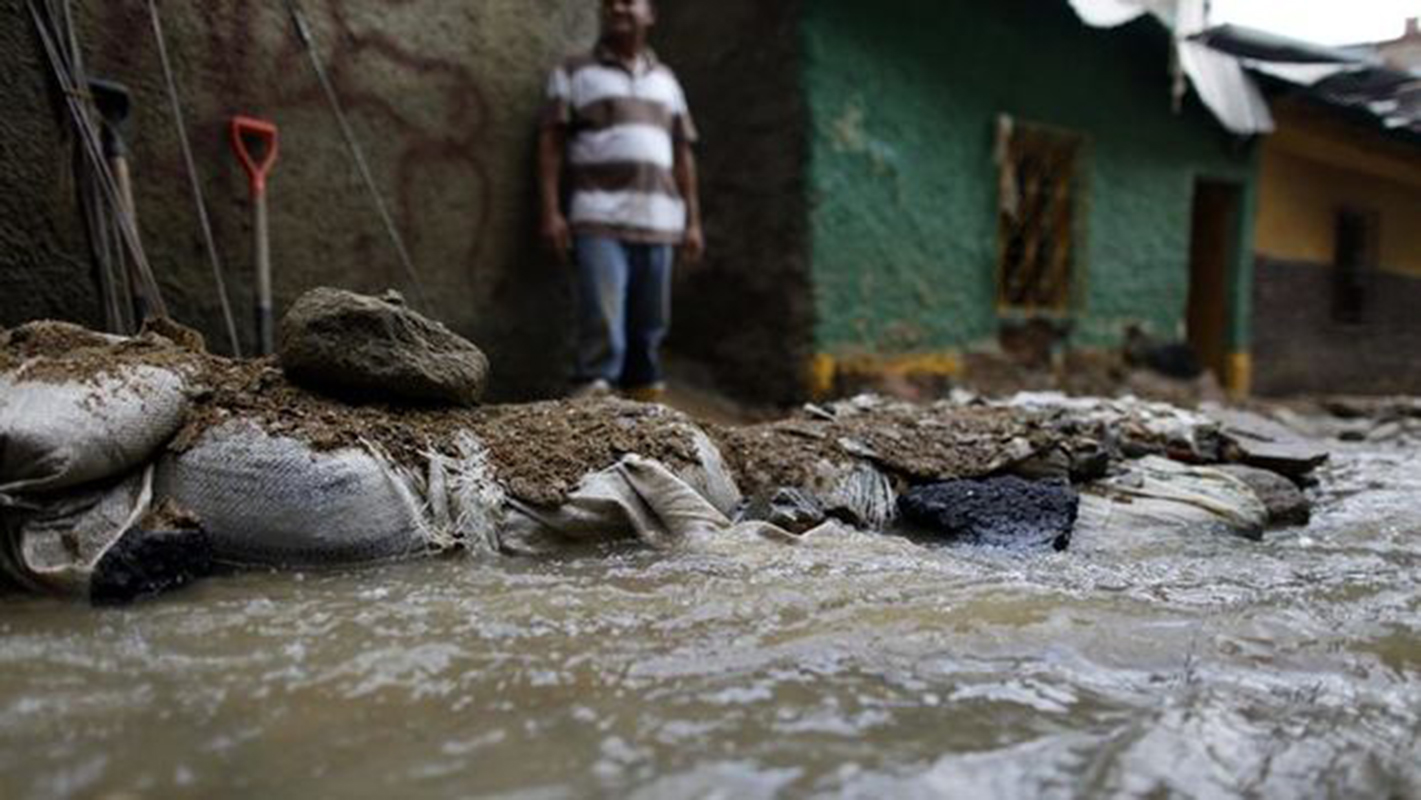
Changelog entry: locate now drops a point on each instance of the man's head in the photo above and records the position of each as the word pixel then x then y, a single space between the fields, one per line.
pixel 627 19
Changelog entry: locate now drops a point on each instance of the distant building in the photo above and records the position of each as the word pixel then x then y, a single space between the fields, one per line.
pixel 1405 52
pixel 893 185
pixel 1338 238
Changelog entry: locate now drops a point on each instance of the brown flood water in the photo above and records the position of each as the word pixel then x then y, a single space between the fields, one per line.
pixel 860 666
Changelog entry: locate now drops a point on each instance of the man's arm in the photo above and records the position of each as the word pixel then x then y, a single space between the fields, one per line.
pixel 688 182
pixel 552 144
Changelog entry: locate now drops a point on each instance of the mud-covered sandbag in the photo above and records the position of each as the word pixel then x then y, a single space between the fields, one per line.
pixel 276 502
pixel 1155 498
pixel 55 547
pixel 57 435
pixel 638 499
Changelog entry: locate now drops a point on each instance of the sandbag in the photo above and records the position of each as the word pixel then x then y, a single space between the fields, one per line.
pixel 56 547
pixel 638 499
pixel 1155 497
pixel 57 436
pixel 270 501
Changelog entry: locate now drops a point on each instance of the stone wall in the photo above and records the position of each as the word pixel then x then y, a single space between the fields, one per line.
pixel 443 95
pixel 747 313
pixel 1299 347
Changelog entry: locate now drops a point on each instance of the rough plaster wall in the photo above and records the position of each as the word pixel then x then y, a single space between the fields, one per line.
pixel 748 311
pixel 44 272
pixel 1299 348
pixel 444 96
pixel 904 100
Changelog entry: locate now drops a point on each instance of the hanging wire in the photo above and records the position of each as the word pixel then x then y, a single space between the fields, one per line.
pixel 75 100
pixel 196 183
pixel 303 31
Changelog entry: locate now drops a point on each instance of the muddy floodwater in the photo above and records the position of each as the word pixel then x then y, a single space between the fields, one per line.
pixel 1190 665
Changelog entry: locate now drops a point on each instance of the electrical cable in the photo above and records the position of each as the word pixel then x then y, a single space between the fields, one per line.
pixel 89 138
pixel 205 222
pixel 303 32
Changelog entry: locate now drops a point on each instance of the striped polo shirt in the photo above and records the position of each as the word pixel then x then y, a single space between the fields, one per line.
pixel 623 125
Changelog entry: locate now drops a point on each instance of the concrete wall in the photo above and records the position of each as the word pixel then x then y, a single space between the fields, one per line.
pixel 444 95
pixel 904 96
pixel 1300 348
pixel 747 313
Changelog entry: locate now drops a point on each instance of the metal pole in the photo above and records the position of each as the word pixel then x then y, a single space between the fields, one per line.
pixel 266 333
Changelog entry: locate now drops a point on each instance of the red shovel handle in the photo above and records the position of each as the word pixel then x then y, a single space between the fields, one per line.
pixel 248 129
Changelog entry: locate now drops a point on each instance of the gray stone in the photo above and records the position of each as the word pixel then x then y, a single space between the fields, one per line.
pixel 374 348
pixel 1287 505
pixel 794 510
pixel 1257 441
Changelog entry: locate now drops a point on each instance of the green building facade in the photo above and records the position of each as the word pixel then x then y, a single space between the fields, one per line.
pixel 907 114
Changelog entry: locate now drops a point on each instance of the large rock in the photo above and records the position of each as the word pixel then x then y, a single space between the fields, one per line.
pixel 998 512
pixel 374 348
pixel 1257 441
pixel 1287 505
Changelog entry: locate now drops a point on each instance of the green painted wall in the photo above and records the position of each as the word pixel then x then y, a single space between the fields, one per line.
pixel 904 95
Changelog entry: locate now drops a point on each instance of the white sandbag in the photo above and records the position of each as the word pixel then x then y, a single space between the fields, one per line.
pixel 710 477
pixel 55 549
pixel 637 499
pixel 1156 498
pixel 275 502
pixel 463 505
pixel 56 436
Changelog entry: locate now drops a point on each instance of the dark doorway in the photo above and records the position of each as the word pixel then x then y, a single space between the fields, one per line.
pixel 1213 252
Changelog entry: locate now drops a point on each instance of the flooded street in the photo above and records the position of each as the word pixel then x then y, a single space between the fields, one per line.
pixel 862 666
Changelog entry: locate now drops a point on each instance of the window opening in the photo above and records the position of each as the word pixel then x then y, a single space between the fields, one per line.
pixel 1358 239
pixel 1040 188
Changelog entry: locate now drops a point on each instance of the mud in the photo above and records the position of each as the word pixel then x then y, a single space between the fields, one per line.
pixel 539 452
pixel 914 444
pixel 58 352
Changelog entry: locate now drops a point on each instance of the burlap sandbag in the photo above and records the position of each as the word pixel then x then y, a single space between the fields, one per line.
pixel 60 435
pixel 271 501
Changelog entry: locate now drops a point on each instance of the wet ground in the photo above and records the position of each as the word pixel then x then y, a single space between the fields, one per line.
pixel 862 666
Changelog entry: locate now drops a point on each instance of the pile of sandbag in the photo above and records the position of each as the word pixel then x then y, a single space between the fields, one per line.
pixel 129 466
pixel 382 454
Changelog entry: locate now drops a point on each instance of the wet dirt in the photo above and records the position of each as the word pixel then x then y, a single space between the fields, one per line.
pixel 539 452
pixel 916 444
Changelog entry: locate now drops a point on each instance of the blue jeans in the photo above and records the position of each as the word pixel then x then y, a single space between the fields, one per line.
pixel 624 310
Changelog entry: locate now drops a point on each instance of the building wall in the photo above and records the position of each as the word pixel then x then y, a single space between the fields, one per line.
pixel 445 97
pixel 904 97
pixel 747 313
pixel 1313 166
pixel 1301 348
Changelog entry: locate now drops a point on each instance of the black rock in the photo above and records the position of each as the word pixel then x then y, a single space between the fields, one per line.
pixel 149 563
pixel 996 512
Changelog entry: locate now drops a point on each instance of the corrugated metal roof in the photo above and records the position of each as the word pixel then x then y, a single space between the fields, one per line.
pixel 1347 78
pixel 1225 88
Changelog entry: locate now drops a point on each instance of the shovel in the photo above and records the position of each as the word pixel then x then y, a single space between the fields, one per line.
pixel 256 143
pixel 125 292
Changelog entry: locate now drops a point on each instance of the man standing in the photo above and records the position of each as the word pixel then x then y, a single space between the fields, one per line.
pixel 619 120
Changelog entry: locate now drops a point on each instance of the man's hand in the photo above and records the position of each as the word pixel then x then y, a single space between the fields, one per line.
pixel 693 247
pixel 557 236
